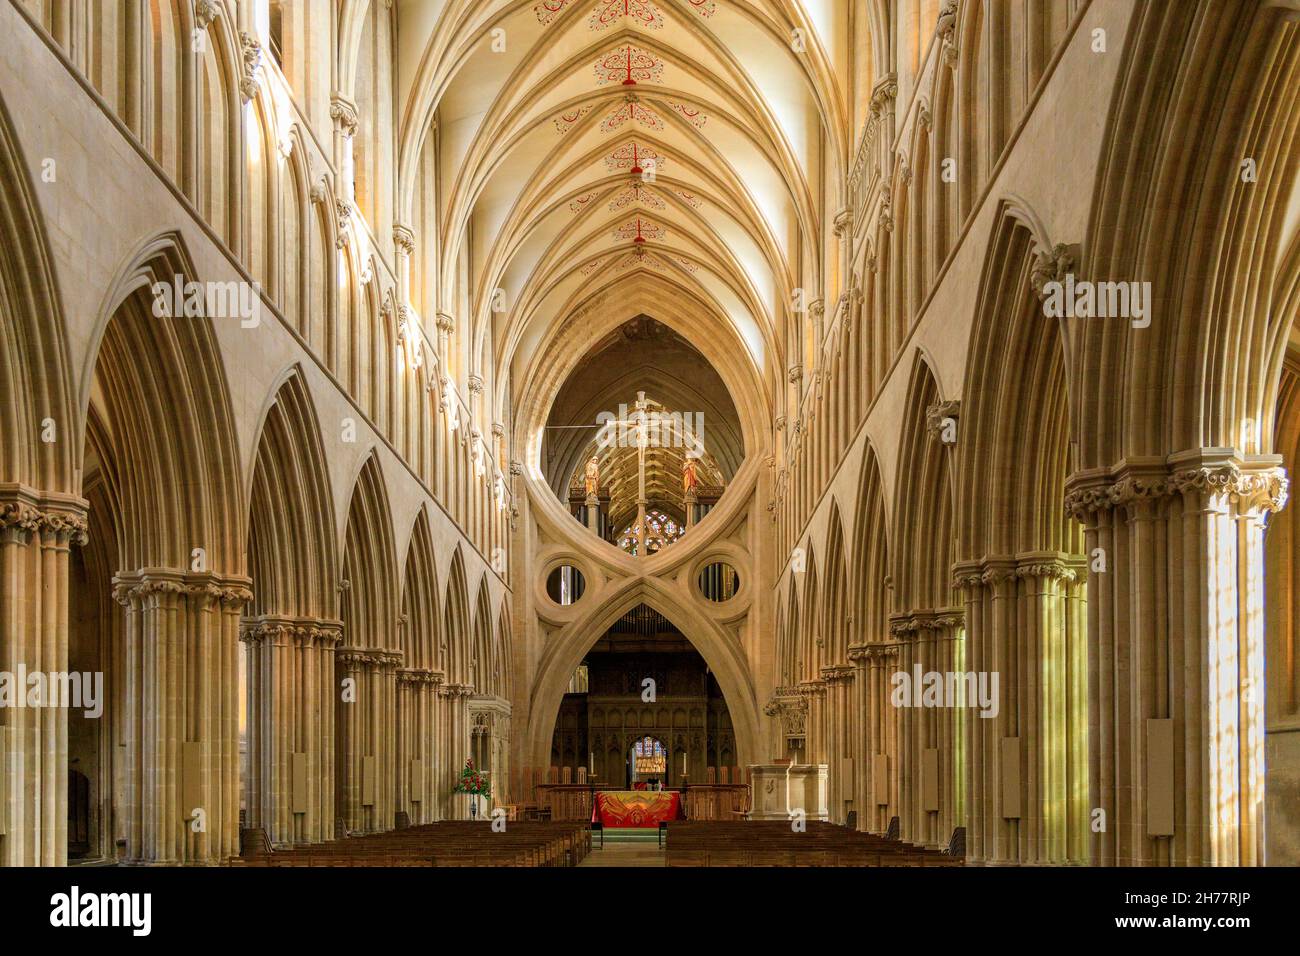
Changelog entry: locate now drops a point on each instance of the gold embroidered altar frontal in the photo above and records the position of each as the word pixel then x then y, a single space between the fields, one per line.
pixel 636 808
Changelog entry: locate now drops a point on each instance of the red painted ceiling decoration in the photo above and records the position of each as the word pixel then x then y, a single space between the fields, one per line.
pixel 693 116
pixel 689 198
pixel 635 158
pixel 629 65
pixel 639 229
pixel 569 118
pixel 638 257
pixel 548 10
pixel 632 111
pixel 583 202
pixel 705 8
pixel 636 193
pixel 609 12
pixel 641 12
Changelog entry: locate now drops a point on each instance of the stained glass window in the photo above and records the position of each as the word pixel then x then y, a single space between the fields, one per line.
pixel 660 531
pixel 649 756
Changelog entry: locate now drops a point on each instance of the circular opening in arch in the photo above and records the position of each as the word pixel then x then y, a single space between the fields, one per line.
pixel 718 582
pixel 565 584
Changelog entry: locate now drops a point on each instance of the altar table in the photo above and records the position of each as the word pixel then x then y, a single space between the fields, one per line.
pixel 628 809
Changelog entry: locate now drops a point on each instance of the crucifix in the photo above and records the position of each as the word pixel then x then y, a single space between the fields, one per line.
pixel 642 441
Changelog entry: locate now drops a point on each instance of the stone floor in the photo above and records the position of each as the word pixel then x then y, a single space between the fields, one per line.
pixel 625 850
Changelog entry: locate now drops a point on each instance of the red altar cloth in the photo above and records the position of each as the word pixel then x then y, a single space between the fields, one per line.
pixel 628 809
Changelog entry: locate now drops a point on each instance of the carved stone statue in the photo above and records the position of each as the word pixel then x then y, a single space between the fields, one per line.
pixel 593 476
pixel 690 476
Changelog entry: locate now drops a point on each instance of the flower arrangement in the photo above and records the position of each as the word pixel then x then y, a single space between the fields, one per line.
pixel 473 781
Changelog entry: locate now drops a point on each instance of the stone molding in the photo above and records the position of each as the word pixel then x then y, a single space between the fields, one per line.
pixel 137 586
pixel 913 624
pixel 369 657
pixel 1259 486
pixel 1037 564
pixel 419 675
pixel 25 510
pixel 304 632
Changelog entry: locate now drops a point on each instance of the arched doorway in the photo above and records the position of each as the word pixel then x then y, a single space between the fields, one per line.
pixel 643 707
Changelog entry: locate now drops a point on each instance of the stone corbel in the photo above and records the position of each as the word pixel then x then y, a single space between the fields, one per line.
pixel 1051 265
pixel 404 240
pixel 937 413
pixel 252 66
pixel 842 224
pixel 344 114
pixel 205 12
pixel 886 208
pixel 884 93
pixel 946 31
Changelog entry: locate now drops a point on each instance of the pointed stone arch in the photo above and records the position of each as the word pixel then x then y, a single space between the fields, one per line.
pixel 291 627
pixel 720 650
pixel 1176 424
pixel 873 654
pixel 484 666
pixel 419 680
pixel 35 376
pixel 368 660
pixel 421 603
pixel 182 489
pixel 925 620
pixel 1022 573
pixel 456 631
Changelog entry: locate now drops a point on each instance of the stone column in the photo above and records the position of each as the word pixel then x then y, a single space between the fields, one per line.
pixel 36 534
pixel 417 751
pixel 344 114
pixel 455 747
pixel 885 735
pixel 367 742
pixel 1027 764
pixel 838 726
pixel 1175 624
pixel 931 730
pixel 289 786
pixel 182 714
pixel 814 694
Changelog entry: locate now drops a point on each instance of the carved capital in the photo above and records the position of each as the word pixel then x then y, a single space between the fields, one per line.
pixel 344 114
pixel 842 224
pixel 404 239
